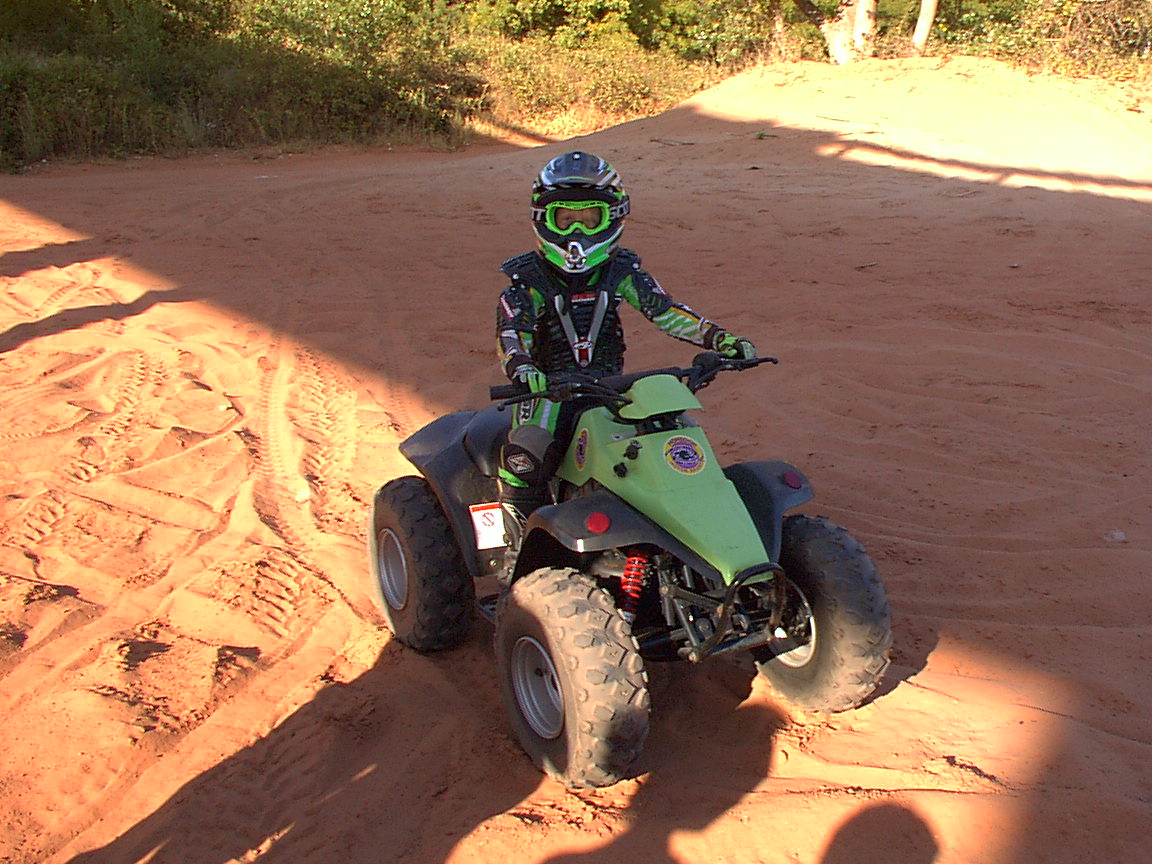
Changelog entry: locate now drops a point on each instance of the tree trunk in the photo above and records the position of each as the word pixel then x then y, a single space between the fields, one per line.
pixel 924 24
pixel 780 50
pixel 864 29
pixel 849 33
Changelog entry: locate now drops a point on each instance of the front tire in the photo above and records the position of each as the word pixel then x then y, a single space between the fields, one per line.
pixel 421 582
pixel 572 678
pixel 836 615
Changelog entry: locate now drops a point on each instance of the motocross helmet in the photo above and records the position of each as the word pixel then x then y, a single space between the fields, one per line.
pixel 578 210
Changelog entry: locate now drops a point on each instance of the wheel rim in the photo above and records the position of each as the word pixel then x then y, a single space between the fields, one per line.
pixel 393 569
pixel 537 688
pixel 801 622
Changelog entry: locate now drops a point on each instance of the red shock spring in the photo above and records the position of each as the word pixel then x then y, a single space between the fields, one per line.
pixel 632 585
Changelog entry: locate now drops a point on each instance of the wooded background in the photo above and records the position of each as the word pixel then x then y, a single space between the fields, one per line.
pixel 88 78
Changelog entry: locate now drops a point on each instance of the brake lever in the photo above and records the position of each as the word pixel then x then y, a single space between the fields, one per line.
pixel 515 400
pixel 708 365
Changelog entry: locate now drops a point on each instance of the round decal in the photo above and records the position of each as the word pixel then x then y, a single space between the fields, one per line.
pixel 581 449
pixel 684 455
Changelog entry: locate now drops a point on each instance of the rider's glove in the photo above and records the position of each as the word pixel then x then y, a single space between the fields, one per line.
pixel 734 347
pixel 530 377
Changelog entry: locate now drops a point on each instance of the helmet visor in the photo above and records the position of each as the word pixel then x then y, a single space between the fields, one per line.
pixel 588 217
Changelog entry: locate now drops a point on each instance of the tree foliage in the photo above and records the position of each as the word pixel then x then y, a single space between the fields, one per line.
pixel 89 77
pixel 93 77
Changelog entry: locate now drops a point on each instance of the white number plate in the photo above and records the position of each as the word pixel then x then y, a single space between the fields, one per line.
pixel 489 525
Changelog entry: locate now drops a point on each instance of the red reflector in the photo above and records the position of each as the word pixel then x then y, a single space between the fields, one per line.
pixel 597 523
pixel 792 479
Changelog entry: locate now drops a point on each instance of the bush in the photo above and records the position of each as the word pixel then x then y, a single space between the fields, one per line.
pixel 1072 36
pixel 70 105
pixel 121 76
pixel 538 84
pixel 91 77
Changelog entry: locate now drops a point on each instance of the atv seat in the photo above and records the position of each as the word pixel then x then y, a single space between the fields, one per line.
pixel 485 434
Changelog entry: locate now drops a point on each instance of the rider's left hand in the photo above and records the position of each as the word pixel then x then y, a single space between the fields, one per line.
pixel 736 347
pixel 531 377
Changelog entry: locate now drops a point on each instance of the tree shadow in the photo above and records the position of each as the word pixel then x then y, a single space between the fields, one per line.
pixel 902 159
pixel 79 317
pixel 710 747
pixel 407 770
pixel 389 757
pixel 20 263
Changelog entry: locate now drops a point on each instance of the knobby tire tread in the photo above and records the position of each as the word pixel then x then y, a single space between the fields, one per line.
pixel 441 594
pixel 854 632
pixel 602 663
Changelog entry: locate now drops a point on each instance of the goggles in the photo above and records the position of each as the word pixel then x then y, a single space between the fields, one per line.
pixel 588 217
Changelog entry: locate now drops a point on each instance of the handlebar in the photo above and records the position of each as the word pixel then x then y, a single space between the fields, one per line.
pixel 505 391
pixel 705 367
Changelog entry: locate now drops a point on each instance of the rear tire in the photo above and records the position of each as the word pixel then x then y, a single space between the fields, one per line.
pixel 419 575
pixel 837 611
pixel 573 681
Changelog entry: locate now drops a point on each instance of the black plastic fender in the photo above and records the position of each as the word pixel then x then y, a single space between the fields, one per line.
pixel 769 488
pixel 439 452
pixel 559 533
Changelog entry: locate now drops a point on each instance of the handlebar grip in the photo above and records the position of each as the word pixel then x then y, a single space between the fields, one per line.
pixel 505 391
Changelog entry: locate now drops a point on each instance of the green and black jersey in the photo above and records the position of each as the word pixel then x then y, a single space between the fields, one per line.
pixel 572 324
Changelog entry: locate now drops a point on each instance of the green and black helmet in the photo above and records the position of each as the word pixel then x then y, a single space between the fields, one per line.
pixel 578 210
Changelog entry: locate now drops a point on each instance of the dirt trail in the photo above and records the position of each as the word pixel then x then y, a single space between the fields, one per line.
pixel 207 364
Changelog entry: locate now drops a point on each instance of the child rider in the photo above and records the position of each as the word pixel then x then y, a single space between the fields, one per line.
pixel 560 315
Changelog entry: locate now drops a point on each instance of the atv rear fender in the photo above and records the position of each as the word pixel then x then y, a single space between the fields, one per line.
pixel 438 451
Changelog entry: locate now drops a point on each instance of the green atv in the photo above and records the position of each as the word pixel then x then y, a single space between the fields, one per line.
pixel 650 551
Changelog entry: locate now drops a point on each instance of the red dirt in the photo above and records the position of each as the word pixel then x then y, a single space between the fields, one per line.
pixel 207 365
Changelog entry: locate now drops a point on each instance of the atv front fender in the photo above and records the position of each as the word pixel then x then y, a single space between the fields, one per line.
pixel 769 488
pixel 559 534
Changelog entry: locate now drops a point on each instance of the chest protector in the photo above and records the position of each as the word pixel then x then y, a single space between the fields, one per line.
pixel 579 329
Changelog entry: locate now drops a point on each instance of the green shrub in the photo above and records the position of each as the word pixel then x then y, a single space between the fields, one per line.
pixel 540 84
pixel 526 83
pixel 1074 36
pixel 622 88
pixel 71 105
pixel 119 76
pixel 91 77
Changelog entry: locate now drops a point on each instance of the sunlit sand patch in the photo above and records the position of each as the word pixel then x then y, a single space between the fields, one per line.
pixel 1015 177
pixel 22 230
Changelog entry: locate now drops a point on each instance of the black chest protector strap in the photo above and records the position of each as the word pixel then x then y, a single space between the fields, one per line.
pixel 528 269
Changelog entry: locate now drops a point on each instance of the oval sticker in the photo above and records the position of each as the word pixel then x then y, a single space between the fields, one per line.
pixel 684 454
pixel 581 449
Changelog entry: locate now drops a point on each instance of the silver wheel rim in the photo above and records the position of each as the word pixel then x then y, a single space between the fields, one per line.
pixel 393 569
pixel 537 688
pixel 802 654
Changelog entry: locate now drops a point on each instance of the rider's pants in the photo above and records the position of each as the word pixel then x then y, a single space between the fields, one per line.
pixel 528 461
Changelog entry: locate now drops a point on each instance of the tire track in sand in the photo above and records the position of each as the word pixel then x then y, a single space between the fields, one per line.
pixel 283 494
pixel 325 415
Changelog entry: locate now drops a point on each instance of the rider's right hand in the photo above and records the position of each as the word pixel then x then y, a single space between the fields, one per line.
pixel 735 347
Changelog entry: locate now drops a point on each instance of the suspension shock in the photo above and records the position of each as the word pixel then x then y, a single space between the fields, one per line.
pixel 632 582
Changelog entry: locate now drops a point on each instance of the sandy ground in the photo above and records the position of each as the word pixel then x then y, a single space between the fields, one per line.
pixel 207 365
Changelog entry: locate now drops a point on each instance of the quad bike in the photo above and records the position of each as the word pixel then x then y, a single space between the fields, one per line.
pixel 650 551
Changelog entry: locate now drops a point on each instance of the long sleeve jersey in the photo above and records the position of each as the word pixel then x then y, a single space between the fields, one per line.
pixel 562 325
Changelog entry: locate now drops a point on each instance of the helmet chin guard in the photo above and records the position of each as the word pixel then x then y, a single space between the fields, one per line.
pixel 586 182
pixel 575 259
